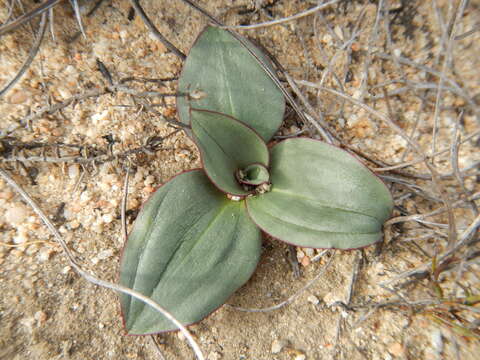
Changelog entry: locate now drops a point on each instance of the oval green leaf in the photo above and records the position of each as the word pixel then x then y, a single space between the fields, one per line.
pixel 225 77
pixel 189 250
pixel 321 197
pixel 226 145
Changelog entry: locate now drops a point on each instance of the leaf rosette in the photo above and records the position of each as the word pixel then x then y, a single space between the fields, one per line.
pixel 191 247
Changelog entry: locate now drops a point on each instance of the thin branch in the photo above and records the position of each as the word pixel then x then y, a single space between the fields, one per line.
pixel 203 12
pixel 156 345
pixel 468 33
pixel 42 8
pixel 446 64
pixel 152 145
pixel 418 161
pixel 31 55
pixel 78 16
pixel 458 89
pixel 154 30
pixel 284 20
pixel 464 239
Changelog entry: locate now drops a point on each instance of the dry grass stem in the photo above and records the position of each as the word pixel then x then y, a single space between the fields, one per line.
pixel 285 20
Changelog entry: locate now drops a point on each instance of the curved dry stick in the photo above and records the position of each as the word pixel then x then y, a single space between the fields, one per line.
pixel 28 16
pixel 448 58
pixel 139 10
pixel 284 20
pixel 91 278
pixel 33 52
pixel 457 88
pixel 78 16
pixel 418 161
pixel 464 239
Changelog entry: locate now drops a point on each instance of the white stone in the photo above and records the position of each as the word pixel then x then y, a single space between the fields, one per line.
pixel 105 254
pixel 277 346
pixel 214 355
pixel 107 218
pixel 73 171
pixel 16 214
pixel 437 341
pixel 96 118
pixel 338 31
pixel 309 252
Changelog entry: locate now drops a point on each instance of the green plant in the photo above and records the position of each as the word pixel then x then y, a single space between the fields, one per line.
pixel 198 238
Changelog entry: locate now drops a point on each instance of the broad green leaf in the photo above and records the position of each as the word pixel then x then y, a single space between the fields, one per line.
pixel 321 197
pixel 226 145
pixel 229 80
pixel 189 250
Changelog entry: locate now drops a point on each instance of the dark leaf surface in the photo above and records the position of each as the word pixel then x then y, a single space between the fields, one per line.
pixel 231 81
pixel 189 250
pixel 226 145
pixel 321 197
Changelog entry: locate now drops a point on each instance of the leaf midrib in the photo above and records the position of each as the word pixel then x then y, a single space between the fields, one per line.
pixel 181 241
pixel 312 229
pixel 322 204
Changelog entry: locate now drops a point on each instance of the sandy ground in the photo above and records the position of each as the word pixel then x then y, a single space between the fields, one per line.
pixel 47 311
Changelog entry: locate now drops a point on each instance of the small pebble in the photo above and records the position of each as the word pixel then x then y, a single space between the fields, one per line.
pixel 105 254
pixel 327 39
pixel 397 52
pixel 331 298
pixel 74 224
pixel 437 341
pixel 300 357
pixel 313 299
pixel 16 214
pixel 98 117
pixel 300 255
pixel 309 252
pixel 338 31
pixel 6 195
pixel 21 238
pixel 73 171
pixel 41 317
pixel 45 254
pixel 396 349
pixel 19 97
pixel 214 355
pixel 27 322
pixel 107 218
pixel 149 180
pixel 277 346
pixel 305 261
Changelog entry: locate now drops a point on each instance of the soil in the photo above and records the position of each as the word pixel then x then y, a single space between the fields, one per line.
pixel 47 311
